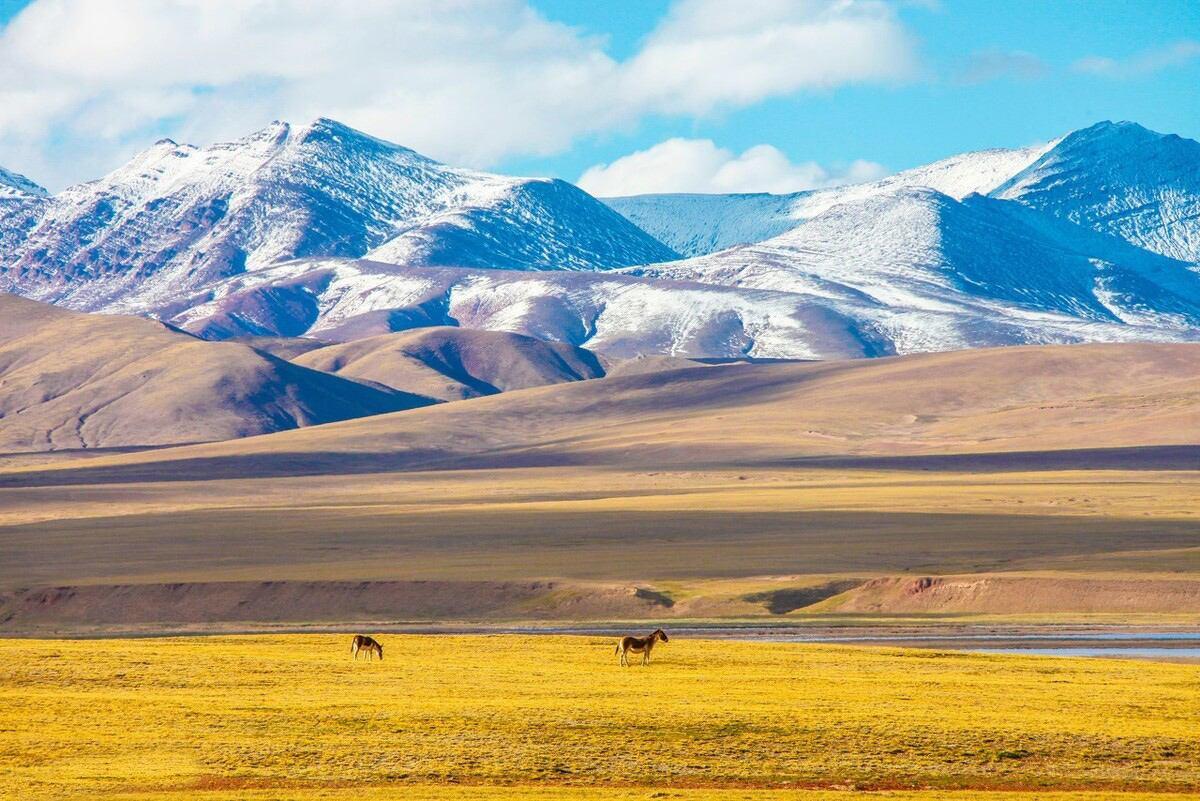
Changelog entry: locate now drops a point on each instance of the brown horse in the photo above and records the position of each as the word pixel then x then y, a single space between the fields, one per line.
pixel 361 643
pixel 639 645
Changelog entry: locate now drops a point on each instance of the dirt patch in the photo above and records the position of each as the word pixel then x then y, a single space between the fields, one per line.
pixel 320 601
pixel 1018 594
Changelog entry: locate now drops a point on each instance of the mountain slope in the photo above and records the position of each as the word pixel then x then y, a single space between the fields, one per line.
pixel 1121 179
pixel 71 380
pixel 924 252
pixel 779 311
pixel 696 225
pixel 177 217
pixel 13 185
pixel 454 363
pixel 618 315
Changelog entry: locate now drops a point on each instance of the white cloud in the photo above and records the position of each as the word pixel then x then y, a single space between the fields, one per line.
pixel 709 53
pixel 1144 63
pixel 83 83
pixel 699 165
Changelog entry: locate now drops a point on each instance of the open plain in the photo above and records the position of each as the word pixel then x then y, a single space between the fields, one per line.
pixel 470 717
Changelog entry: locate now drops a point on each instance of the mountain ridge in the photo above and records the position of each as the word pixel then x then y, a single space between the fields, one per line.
pixel 323 231
pixel 176 217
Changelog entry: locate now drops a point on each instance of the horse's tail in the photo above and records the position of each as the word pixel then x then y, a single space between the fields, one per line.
pixel 618 648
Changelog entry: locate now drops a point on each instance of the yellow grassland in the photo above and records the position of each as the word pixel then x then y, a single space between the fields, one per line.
pixel 510 717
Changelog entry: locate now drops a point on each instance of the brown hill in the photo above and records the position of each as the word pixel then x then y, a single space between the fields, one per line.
pixel 456 363
pixel 926 408
pixel 71 380
pixel 283 347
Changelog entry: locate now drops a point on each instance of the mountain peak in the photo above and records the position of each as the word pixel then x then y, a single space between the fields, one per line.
pixel 1123 179
pixel 1109 134
pixel 330 131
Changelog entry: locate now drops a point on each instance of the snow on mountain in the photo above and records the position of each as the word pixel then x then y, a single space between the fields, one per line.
pixel 342 300
pixel 696 225
pixel 177 217
pixel 620 314
pixel 499 223
pixel 1077 240
pixel 1122 179
pixel 13 185
pixel 920 250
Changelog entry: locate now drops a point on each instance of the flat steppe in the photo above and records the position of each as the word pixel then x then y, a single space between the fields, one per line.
pixel 503 717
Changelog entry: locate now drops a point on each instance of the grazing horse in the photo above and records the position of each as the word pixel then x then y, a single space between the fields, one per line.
pixel 639 645
pixel 361 643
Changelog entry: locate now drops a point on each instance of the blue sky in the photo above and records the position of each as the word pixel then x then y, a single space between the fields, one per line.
pixel 943 112
pixel 957 75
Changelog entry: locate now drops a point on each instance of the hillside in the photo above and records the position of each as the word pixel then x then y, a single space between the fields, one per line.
pixel 614 314
pixel 921 407
pixel 454 363
pixel 70 380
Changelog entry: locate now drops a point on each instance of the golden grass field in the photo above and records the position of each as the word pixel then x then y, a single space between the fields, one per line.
pixel 504 717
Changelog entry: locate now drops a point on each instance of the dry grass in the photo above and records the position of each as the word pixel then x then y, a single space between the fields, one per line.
pixel 595 524
pixel 509 717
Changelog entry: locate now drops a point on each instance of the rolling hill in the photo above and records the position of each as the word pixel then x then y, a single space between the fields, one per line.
pixel 454 363
pixel 1015 401
pixel 70 380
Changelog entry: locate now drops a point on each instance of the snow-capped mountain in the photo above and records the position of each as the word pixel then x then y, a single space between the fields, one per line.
pixel 921 250
pixel 1122 179
pixel 698 224
pixel 621 314
pixel 1117 178
pixel 177 217
pixel 1091 237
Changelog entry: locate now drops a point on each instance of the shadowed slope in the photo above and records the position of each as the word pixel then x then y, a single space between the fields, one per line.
pixel 454 363
pixel 70 380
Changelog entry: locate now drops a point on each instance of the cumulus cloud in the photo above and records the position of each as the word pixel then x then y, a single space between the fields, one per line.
pixel 1144 63
pixel 85 82
pixel 699 165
